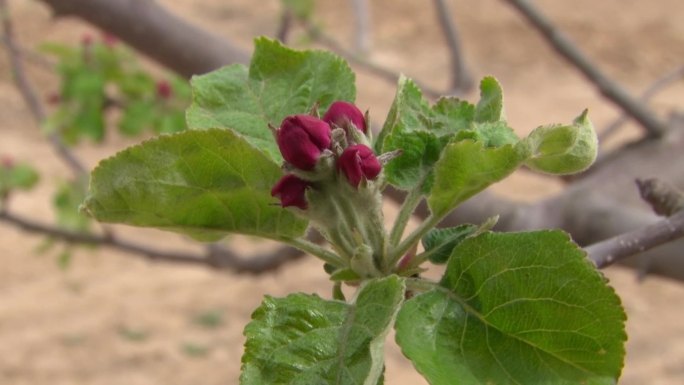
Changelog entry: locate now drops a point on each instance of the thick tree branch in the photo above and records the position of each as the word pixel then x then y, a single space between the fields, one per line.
pixel 161 35
pixel 30 96
pixel 216 256
pixel 608 88
pixel 461 80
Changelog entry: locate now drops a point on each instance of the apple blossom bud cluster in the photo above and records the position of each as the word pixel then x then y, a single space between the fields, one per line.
pixel 335 180
pixel 304 140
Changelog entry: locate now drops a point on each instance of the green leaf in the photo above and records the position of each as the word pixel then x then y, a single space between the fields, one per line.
pixel 563 149
pixel 202 183
pixel 421 132
pixel 516 308
pixel 490 106
pixel 22 176
pixel 279 82
pixel 304 339
pixel 466 168
pixel 439 243
pixel 68 197
pixel 137 116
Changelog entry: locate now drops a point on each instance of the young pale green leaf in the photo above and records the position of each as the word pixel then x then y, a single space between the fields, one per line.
pixel 421 132
pixel 304 339
pixel 516 308
pixel 490 106
pixel 563 149
pixel 202 183
pixel 278 83
pixel 439 243
pixel 466 168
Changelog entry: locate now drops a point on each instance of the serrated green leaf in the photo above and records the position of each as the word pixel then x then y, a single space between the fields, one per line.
pixel 563 149
pixel 303 339
pixel 201 183
pixel 490 106
pixel 421 132
pixel 279 82
pixel 516 308
pixel 466 168
pixel 440 243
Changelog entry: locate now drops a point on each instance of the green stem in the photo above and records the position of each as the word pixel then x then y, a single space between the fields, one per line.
pixel 316 250
pixel 407 207
pixel 413 238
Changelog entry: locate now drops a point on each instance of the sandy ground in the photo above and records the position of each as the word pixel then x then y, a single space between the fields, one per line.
pixel 115 319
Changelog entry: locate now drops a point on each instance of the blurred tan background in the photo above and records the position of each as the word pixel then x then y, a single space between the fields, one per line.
pixel 113 318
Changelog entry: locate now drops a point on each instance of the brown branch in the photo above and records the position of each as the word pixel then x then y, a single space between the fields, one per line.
pixel 28 93
pixel 611 90
pixel 373 68
pixel 161 35
pixel 617 248
pixel 461 80
pixel 285 25
pixel 216 257
pixel 652 90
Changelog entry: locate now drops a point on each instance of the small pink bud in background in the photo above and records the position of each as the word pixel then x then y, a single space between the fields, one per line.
pixel 86 39
pixel 6 161
pixel 342 113
pixel 301 139
pixel 358 161
pixel 53 98
pixel 291 191
pixel 164 90
pixel 109 40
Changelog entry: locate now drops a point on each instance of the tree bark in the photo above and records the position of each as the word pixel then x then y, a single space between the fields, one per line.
pixel 157 33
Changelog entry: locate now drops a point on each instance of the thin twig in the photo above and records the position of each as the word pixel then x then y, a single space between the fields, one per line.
pixel 652 90
pixel 375 69
pixel 614 249
pixel 461 80
pixel 614 92
pixel 216 256
pixel 29 94
pixel 362 32
pixel 285 25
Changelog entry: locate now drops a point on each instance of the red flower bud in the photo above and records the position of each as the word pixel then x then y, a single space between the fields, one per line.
pixel 302 139
pixel 290 190
pixel 86 39
pixel 164 90
pixel 109 40
pixel 358 161
pixel 343 113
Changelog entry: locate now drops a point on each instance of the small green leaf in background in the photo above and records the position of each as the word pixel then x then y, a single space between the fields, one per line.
pixel 67 199
pixel 440 243
pixel 466 168
pixel 22 176
pixel 303 339
pixel 516 308
pixel 201 183
pixel 278 83
pixel 563 149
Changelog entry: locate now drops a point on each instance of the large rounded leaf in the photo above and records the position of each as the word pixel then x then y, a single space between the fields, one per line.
pixel 517 308
pixel 202 183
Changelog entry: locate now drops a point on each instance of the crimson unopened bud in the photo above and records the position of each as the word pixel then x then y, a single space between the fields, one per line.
pixel 302 139
pixel 358 161
pixel 164 90
pixel 291 191
pixel 342 113
pixel 86 39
